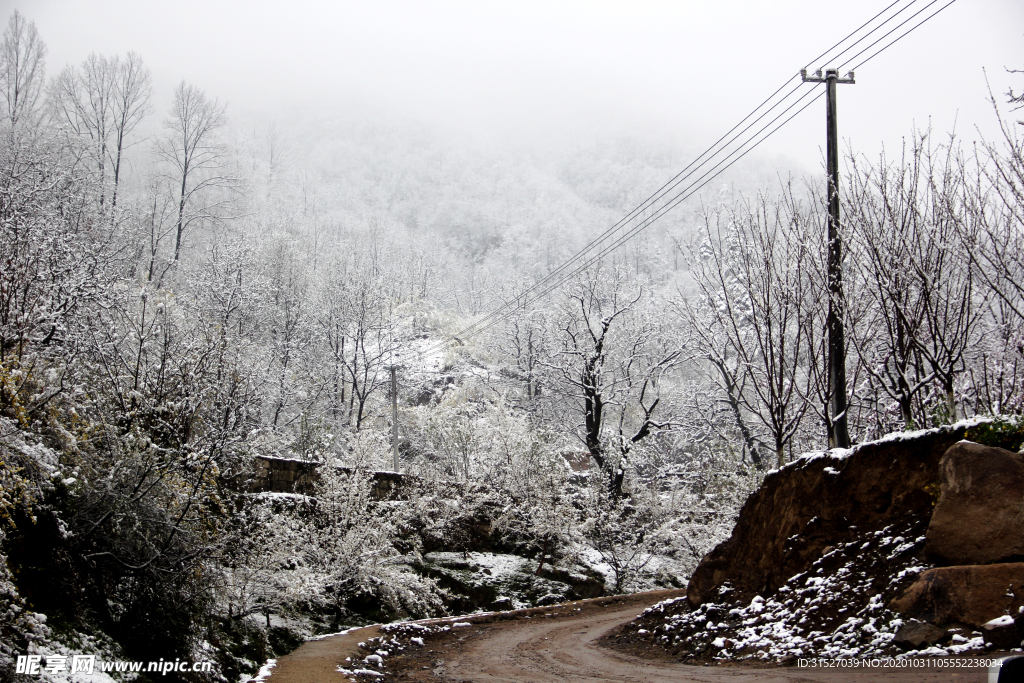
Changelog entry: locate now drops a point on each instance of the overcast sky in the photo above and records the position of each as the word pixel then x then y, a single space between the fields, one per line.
pixel 678 70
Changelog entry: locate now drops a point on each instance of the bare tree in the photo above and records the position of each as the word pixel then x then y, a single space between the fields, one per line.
pixel 22 69
pixel 756 311
pixel 81 100
pixel 101 101
pixel 995 247
pixel 355 320
pixel 885 222
pixel 607 363
pixel 953 302
pixel 997 251
pixel 196 158
pixel 731 380
pixel 1016 99
pixel 997 371
pixel 132 89
pixel 523 342
pixel 289 327
pixel 925 300
pixel 156 224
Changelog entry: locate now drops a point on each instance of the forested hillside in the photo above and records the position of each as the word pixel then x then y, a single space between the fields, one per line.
pixel 175 305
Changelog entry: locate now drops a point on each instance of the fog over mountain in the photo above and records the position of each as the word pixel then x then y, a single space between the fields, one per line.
pixel 535 73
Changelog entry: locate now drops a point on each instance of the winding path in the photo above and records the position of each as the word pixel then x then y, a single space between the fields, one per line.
pixel 565 650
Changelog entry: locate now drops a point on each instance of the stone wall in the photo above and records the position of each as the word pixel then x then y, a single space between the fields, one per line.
pixel 281 475
pixel 284 475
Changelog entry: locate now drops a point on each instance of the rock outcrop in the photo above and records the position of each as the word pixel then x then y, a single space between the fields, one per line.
pixel 979 518
pixel 1005 632
pixel 817 502
pixel 827 558
pixel 972 595
pixel 978 527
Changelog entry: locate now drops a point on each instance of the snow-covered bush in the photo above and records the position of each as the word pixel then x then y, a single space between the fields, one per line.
pixel 348 545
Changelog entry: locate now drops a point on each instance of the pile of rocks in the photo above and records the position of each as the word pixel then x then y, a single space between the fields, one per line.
pixel 976 539
pixel 913 544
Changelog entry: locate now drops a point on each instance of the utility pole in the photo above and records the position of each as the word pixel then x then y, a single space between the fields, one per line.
pixel 839 434
pixel 394 418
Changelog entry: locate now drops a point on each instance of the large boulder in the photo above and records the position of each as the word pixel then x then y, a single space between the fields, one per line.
pixel 818 500
pixel 972 595
pixel 979 518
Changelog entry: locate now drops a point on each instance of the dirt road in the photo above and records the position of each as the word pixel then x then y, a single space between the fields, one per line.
pixel 565 650
pixel 559 644
pixel 318 660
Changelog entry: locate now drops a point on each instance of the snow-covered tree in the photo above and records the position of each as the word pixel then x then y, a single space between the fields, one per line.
pixel 922 299
pixel 196 160
pixel 350 544
pixel 610 350
pixel 101 102
pixel 755 311
pixel 22 72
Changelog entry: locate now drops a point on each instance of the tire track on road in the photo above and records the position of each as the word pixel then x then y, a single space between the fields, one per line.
pixel 567 650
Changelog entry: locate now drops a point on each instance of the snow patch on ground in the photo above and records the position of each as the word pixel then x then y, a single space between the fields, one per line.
pixel 339 633
pixel 265 671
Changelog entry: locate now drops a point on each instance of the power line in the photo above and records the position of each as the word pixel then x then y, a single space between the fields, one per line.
pixel 672 203
pixel 677 179
pixel 881 50
pixel 559 276
pixel 675 201
pixel 869 33
pixel 890 31
pixel 681 196
pixel 646 204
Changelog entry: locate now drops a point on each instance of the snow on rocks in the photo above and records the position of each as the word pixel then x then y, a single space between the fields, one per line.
pixel 801 512
pixel 396 638
pixel 838 608
pixel 512 579
pixel 840 454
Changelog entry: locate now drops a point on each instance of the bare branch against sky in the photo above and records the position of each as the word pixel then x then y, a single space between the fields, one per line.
pixel 533 70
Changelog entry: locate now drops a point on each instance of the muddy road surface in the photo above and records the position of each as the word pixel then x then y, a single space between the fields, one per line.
pixel 563 644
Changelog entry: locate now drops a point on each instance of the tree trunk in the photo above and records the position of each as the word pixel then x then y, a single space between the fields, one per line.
pixel 181 217
pixel 734 404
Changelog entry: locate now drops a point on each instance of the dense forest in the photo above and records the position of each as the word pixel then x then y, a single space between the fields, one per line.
pixel 180 296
